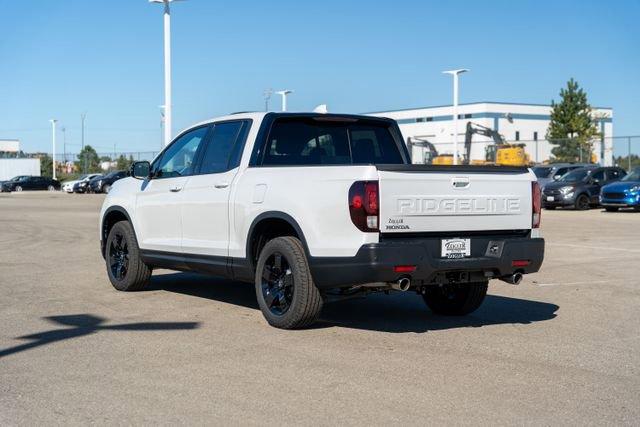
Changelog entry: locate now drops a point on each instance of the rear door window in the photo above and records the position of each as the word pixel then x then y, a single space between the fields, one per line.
pixel 306 141
pixel 223 149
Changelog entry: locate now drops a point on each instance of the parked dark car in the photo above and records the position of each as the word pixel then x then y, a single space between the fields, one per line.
pixel 554 171
pixel 82 186
pixel 580 188
pixel 102 184
pixel 622 194
pixel 26 182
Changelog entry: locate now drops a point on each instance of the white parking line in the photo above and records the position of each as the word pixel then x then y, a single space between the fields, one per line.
pixel 605 248
pixel 586 282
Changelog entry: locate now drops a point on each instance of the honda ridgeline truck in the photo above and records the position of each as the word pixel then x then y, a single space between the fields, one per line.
pixel 314 207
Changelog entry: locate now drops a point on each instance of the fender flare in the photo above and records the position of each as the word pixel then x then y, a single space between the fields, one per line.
pixel 110 209
pixel 275 215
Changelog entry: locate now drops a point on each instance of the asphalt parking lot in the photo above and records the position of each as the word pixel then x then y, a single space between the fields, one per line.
pixel 561 348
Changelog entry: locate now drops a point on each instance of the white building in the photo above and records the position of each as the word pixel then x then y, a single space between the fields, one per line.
pixel 522 123
pixel 10 145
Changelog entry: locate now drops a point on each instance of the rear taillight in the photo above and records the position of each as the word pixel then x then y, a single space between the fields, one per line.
pixel 364 205
pixel 536 200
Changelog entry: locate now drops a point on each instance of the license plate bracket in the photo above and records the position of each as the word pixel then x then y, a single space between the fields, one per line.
pixel 455 248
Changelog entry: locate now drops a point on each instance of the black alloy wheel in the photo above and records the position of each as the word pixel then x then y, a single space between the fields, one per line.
pixel 119 256
pixel 277 284
pixel 582 202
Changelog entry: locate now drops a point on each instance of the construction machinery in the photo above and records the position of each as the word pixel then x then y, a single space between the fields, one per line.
pixel 432 156
pixel 499 153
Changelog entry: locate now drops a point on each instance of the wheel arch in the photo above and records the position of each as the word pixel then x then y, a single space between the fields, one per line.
pixel 271 224
pixel 110 217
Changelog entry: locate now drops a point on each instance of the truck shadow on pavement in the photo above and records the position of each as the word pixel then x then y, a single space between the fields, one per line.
pixel 397 312
pixel 78 325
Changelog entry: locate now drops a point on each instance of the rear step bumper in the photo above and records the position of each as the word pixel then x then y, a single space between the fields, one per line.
pixel 375 262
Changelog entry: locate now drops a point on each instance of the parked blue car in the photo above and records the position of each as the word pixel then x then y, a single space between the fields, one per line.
pixel 622 194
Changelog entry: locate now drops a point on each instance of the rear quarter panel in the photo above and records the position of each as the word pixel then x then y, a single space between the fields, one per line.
pixel 315 196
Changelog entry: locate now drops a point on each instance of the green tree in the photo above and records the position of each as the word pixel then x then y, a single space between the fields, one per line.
pixel 573 127
pixel 88 160
pixel 46 166
pixel 123 163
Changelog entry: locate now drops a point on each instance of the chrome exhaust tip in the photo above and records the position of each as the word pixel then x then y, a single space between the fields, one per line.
pixel 514 279
pixel 403 284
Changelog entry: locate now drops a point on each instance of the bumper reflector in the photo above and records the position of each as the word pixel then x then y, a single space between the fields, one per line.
pixel 520 263
pixel 404 268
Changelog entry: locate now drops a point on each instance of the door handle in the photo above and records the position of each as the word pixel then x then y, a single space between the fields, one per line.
pixel 175 189
pixel 221 185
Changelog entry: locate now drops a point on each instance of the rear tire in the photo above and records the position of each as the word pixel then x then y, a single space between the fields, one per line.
pixel 18 188
pixel 455 299
pixel 582 203
pixel 286 294
pixel 125 268
pixel 611 209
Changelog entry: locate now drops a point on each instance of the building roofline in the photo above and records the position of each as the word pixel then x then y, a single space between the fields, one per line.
pixel 475 103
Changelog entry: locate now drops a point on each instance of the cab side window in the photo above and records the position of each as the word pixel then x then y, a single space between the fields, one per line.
pixel 179 159
pixel 224 148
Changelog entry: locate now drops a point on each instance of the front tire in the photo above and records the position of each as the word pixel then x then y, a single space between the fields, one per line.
pixel 455 299
pixel 125 268
pixel 18 188
pixel 582 203
pixel 286 294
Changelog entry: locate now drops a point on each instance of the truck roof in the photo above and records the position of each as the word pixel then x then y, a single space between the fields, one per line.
pixel 259 116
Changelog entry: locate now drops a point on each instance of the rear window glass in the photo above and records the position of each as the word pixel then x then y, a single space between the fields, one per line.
pixel 305 141
pixel 541 172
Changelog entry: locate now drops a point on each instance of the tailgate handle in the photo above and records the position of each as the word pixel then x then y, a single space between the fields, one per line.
pixel 460 182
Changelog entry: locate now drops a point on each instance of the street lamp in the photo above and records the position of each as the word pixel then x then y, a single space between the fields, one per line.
pixel 53 136
pixel 284 94
pixel 167 68
pixel 455 74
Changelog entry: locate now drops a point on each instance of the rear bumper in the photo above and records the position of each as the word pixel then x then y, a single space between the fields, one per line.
pixel 375 262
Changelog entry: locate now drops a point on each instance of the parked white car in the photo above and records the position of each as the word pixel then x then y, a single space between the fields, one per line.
pixel 311 207
pixel 67 186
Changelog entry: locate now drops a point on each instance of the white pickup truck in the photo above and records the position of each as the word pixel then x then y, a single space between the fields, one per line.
pixel 314 207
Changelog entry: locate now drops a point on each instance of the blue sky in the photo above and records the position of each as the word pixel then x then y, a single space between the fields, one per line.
pixel 60 58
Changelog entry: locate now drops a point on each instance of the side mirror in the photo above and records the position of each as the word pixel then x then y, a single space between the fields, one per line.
pixel 141 170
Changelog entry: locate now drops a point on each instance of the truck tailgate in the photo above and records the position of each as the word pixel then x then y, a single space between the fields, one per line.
pixel 422 198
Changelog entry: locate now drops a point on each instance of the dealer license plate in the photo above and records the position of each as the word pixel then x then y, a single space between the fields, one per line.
pixel 456 248
pixel 550 199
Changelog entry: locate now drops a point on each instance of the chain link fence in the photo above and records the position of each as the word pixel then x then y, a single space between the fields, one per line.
pixel 623 151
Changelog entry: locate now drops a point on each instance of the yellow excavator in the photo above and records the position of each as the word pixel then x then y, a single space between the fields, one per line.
pixel 499 153
pixel 431 156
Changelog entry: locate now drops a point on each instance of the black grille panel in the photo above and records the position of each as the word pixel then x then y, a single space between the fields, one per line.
pixel 614 196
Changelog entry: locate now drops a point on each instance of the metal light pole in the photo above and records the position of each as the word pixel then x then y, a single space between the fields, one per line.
pixel 53 137
pixel 84 157
pixel 64 145
pixel 455 74
pixel 284 94
pixel 267 97
pixel 167 69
